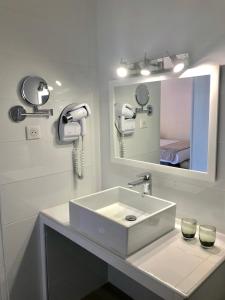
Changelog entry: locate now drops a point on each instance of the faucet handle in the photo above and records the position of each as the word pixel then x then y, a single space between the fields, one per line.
pixel 145 175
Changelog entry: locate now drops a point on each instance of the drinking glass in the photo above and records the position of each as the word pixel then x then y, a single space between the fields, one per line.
pixel 188 228
pixel 207 235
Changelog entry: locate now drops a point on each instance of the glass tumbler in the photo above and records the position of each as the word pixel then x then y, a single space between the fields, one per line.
pixel 207 235
pixel 188 228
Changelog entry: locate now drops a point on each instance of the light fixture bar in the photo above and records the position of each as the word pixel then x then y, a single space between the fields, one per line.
pixel 147 66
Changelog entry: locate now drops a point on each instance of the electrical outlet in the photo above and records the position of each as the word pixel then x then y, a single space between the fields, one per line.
pixel 33 132
pixel 143 123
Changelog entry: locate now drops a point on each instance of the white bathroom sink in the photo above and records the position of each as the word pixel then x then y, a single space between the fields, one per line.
pixel 102 218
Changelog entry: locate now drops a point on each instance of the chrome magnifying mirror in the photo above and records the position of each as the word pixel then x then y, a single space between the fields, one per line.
pixel 142 95
pixel 35 90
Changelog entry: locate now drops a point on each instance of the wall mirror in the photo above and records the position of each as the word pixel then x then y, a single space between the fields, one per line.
pixel 167 123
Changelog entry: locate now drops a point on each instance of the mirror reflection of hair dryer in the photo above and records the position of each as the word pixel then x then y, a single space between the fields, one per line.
pixel 72 129
pixel 125 123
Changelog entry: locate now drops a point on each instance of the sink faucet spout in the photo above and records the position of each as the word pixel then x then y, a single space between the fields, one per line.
pixel 146 180
pixel 135 182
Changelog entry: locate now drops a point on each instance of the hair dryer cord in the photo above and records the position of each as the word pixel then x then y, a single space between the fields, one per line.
pixel 78 154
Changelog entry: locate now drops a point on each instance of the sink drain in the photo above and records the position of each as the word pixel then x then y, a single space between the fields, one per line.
pixel 131 218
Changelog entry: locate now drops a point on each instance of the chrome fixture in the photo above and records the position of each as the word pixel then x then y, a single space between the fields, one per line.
pixel 148 110
pixel 18 113
pixel 145 69
pixel 142 94
pixel 146 180
pixel 142 97
pixel 34 91
pixel 147 66
pixel 178 63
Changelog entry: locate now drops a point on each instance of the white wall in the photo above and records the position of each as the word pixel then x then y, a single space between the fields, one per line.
pixel 128 28
pixel 176 109
pixel 143 144
pixel 56 40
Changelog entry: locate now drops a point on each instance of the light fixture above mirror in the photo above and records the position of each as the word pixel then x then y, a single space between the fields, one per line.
pixel 145 67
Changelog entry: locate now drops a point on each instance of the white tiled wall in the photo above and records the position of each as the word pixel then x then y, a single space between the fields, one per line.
pixel 55 40
pixel 126 29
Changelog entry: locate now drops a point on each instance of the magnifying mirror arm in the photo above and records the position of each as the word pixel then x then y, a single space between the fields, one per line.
pixel 43 112
pixel 148 110
pixel 18 113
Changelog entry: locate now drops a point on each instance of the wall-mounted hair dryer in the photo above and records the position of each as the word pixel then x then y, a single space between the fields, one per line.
pixel 125 118
pixel 124 122
pixel 72 128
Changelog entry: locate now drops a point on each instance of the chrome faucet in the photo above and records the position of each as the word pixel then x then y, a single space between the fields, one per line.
pixel 146 180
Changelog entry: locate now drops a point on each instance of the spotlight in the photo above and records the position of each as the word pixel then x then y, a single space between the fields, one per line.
pixel 145 72
pixel 178 64
pixel 171 63
pixel 122 70
pixel 145 66
pixel 178 67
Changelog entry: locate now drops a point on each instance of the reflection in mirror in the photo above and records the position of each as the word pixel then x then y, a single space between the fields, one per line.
pixel 142 94
pixel 175 134
pixel 35 90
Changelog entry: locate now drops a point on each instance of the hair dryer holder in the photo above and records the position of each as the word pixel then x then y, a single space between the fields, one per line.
pixel 70 131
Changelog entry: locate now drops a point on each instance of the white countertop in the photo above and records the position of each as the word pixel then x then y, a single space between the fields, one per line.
pixel 171 267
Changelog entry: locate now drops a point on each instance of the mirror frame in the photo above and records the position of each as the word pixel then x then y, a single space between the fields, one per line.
pixel 206 69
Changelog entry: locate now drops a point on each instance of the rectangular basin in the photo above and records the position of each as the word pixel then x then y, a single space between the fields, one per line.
pixel 102 217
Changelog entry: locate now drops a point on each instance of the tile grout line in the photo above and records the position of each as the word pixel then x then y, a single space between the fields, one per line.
pixel 40 176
